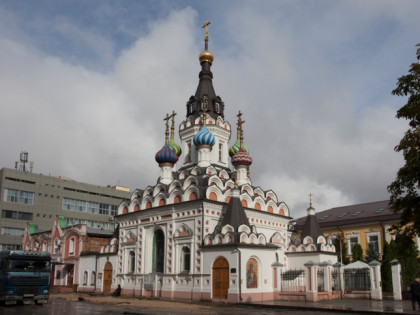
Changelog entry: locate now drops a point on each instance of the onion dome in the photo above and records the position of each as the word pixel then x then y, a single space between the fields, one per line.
pixel 204 137
pixel 166 155
pixel 241 158
pixel 176 148
pixel 235 148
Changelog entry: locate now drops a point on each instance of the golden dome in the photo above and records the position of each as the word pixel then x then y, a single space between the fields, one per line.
pixel 206 56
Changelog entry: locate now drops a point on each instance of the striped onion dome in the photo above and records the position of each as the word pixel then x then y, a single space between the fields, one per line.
pixel 176 148
pixel 235 148
pixel 204 137
pixel 166 155
pixel 241 158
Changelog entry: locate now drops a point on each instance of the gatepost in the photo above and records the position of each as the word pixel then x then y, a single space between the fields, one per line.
pixel 327 275
pixel 375 279
pixel 278 267
pixel 311 281
pixel 396 279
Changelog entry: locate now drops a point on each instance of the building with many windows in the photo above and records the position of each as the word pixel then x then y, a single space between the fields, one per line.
pixel 29 197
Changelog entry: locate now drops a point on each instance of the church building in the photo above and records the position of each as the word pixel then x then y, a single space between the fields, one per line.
pixel 204 231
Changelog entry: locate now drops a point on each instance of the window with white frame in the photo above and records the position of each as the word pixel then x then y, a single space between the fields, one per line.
pixel 85 278
pixel 72 245
pixel 352 239
pixel 373 238
pixel 57 246
pixel 220 152
pixel 44 246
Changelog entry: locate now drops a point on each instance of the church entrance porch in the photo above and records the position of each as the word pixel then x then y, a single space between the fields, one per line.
pixel 220 278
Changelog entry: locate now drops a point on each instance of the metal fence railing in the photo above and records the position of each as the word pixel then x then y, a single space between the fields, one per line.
pixel 357 279
pixel 335 279
pixel 293 281
pixel 320 280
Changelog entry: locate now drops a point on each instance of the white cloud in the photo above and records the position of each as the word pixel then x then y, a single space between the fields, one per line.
pixel 315 97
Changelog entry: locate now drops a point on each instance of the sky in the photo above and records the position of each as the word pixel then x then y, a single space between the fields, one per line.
pixel 85 85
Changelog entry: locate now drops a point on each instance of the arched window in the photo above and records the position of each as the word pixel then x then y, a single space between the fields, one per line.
pixel 93 278
pixel 72 243
pixel 85 278
pixel 44 246
pixel 186 259
pixel 131 261
pixel 158 251
pixel 193 196
pixel 57 246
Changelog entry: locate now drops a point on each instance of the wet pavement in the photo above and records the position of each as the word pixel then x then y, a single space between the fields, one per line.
pixel 77 303
pixel 357 306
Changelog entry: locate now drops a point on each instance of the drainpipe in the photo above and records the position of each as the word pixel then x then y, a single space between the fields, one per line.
pixel 96 271
pixel 240 274
pixel 341 251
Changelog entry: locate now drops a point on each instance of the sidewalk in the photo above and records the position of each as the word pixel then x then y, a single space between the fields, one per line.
pixel 355 306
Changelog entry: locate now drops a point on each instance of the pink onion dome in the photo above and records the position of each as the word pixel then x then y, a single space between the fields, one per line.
pixel 241 158
pixel 235 148
pixel 166 155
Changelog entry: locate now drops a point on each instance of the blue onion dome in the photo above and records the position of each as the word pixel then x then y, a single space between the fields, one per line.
pixel 204 137
pixel 166 155
pixel 176 148
pixel 235 148
pixel 241 158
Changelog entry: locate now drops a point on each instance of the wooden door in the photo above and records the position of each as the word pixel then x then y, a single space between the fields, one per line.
pixel 220 278
pixel 70 271
pixel 106 287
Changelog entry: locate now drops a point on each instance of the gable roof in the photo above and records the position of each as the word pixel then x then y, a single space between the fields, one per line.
pixel 353 214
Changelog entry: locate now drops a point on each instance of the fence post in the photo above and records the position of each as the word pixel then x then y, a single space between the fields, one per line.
pixel 375 276
pixel 311 281
pixel 396 279
pixel 279 270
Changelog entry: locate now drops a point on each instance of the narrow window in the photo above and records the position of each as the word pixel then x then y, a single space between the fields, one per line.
pixel 186 255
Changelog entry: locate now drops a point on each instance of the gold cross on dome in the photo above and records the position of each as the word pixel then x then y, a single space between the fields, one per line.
pixel 310 199
pixel 167 128
pixel 206 29
pixel 173 123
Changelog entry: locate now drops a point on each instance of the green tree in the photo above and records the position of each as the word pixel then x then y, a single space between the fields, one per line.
pixel 340 242
pixel 357 252
pixel 386 272
pixel 406 253
pixel 405 189
pixel 371 253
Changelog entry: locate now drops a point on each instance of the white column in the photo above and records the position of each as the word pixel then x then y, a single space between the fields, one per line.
pixel 375 276
pixel 204 159
pixel 396 279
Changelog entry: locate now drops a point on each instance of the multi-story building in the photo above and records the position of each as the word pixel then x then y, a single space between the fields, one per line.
pixel 29 197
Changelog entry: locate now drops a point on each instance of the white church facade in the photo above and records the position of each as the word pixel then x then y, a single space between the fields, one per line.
pixel 203 231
